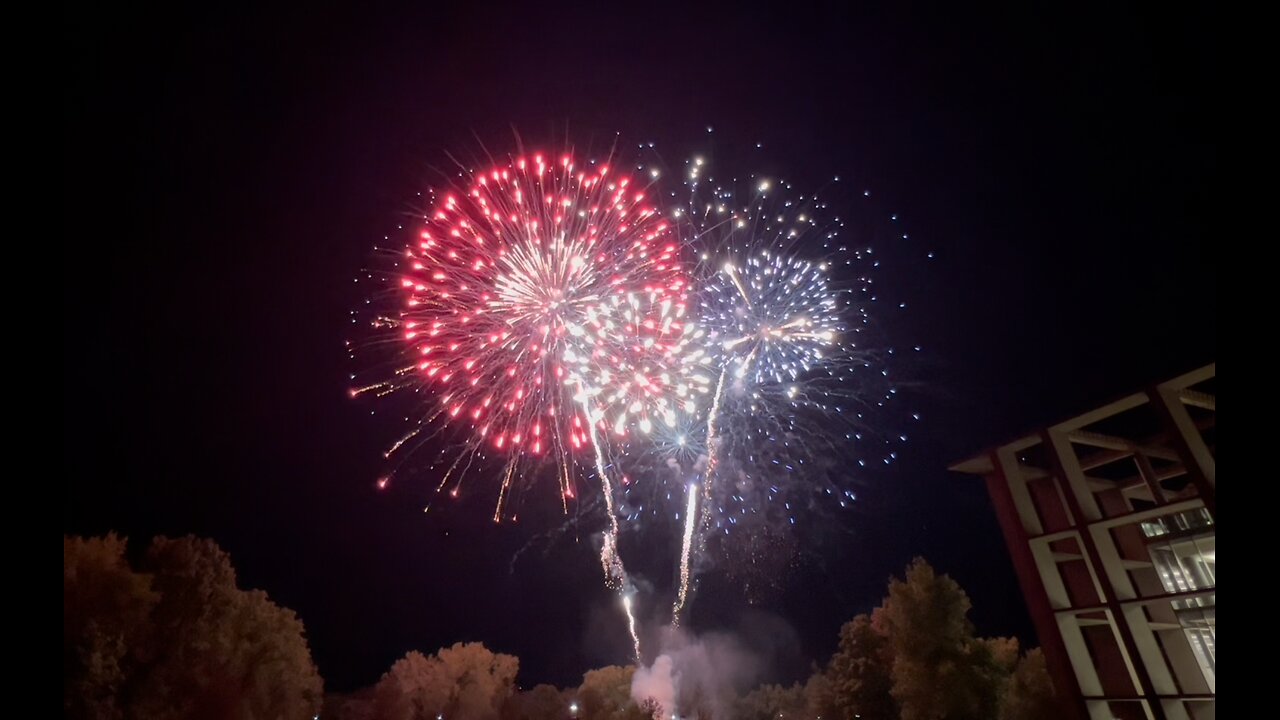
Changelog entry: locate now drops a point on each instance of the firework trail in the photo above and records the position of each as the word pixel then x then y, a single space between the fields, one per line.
pixel 614 571
pixel 686 548
pixel 635 362
pixel 691 512
pixel 783 302
pixel 631 625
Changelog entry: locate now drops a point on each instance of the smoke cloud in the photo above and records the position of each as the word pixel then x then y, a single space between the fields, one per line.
pixel 701 675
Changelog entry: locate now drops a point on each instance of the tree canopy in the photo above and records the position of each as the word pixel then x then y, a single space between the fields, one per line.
pixel 173 637
pixel 466 681
pixel 605 694
pixel 170 635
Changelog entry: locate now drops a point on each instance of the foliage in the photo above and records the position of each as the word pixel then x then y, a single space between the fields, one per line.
pixel 605 694
pixel 940 670
pixel 1029 695
pixel 106 611
pixel 172 636
pixel 175 637
pixel 860 673
pixel 915 657
pixel 772 702
pixel 464 682
pixel 543 702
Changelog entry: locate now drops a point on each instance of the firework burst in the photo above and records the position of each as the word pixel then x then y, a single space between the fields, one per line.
pixel 542 314
pixel 638 362
pixel 784 299
pixel 506 295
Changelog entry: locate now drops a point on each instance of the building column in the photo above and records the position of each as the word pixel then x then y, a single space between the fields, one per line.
pixel 1065 685
pixel 1066 468
pixel 1186 439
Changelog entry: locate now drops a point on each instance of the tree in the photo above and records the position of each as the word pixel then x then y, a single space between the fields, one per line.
pixel 772 702
pixel 349 706
pixel 543 702
pixel 916 658
pixel 464 682
pixel 940 670
pixel 819 696
pixel 176 638
pixel 605 694
pixel 106 609
pixel 860 673
pixel 226 652
pixel 1029 694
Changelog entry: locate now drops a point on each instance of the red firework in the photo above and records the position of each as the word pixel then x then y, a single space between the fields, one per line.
pixel 501 278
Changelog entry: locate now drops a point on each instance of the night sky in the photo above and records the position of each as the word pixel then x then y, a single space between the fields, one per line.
pixel 226 175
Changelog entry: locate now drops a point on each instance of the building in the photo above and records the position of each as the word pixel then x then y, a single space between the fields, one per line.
pixel 1110 520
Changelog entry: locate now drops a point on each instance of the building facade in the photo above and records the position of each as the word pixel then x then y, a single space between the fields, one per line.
pixel 1110 519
